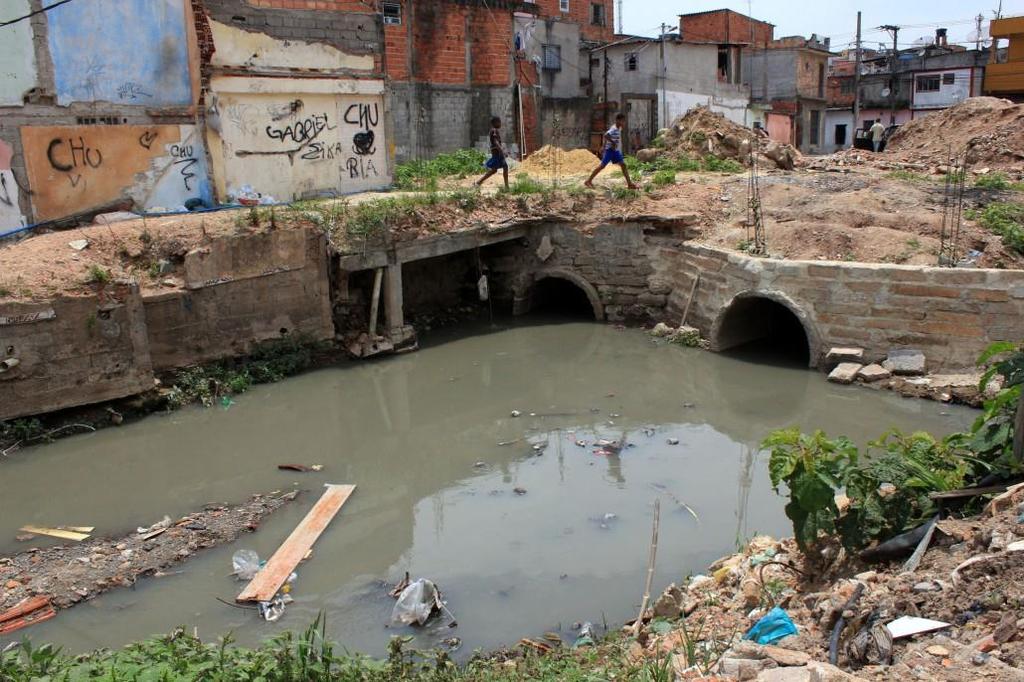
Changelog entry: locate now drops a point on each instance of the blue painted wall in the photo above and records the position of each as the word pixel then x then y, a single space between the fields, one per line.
pixel 121 51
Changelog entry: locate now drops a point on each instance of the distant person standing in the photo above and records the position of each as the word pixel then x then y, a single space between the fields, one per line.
pixel 613 152
pixel 497 161
pixel 877 134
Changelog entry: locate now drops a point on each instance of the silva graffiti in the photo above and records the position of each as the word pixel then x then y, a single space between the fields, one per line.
pixel 80 168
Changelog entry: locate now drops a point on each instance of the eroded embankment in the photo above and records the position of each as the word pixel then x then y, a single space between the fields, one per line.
pixel 69 574
pixel 149 298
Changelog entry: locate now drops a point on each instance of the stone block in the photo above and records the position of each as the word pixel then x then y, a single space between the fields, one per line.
pixel 841 354
pixel 905 362
pixel 873 373
pixel 845 373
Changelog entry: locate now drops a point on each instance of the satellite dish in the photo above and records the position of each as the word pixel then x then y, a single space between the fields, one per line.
pixel 885 92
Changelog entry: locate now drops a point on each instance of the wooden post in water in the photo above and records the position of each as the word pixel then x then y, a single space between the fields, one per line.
pixel 378 277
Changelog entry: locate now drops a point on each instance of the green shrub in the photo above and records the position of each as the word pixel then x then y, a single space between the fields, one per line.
pixel 996 181
pixel 98 275
pixel 663 178
pixel 524 184
pixel 424 174
pixel 1005 219
pixel 716 165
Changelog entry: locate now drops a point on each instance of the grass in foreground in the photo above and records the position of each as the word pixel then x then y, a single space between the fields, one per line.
pixel 311 657
pixel 1005 219
pixel 424 175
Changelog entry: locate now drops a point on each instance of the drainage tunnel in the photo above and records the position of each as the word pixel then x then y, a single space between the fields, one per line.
pixel 763 329
pixel 561 297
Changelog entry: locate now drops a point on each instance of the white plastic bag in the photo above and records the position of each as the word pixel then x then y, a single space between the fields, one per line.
pixel 416 603
pixel 246 564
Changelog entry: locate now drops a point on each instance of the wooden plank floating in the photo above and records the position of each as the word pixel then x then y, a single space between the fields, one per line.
pixel 58 532
pixel 273 576
pixel 27 612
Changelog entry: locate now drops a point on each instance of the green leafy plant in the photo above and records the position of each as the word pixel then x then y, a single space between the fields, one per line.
pixel 524 184
pixel 996 181
pixel 426 173
pixel 1005 219
pixel 716 165
pixel 664 178
pixel 98 275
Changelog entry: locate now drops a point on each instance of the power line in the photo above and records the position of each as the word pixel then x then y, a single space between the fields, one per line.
pixel 32 14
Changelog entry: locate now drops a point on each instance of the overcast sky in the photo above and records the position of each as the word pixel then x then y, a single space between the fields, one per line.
pixel 833 18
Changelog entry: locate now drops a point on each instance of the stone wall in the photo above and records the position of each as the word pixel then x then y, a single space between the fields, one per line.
pixel 72 351
pixel 239 291
pixel 950 314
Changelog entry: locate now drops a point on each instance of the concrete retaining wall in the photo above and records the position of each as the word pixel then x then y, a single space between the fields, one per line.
pixel 73 351
pixel 950 314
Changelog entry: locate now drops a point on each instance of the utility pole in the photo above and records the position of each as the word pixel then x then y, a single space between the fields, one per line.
pixel 895 31
pixel 856 87
pixel 977 22
pixel 663 74
pixel 618 11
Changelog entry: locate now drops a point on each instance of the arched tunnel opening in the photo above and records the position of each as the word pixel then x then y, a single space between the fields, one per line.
pixel 763 330
pixel 560 298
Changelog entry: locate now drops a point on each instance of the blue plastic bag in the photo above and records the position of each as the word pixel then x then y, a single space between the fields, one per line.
pixel 775 625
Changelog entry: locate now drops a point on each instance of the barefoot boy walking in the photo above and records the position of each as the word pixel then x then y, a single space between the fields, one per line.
pixel 497 161
pixel 613 152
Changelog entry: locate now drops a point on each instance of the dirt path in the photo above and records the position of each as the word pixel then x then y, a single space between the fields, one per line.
pixel 72 573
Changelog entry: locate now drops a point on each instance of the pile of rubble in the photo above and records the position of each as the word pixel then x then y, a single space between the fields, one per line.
pixel 955 616
pixel 991 130
pixel 905 371
pixel 702 131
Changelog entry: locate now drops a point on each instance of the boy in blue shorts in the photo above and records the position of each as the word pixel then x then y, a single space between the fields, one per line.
pixel 613 152
pixel 497 161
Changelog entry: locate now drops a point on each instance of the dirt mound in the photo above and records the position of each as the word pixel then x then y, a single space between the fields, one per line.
pixel 702 131
pixel 552 162
pixel 990 129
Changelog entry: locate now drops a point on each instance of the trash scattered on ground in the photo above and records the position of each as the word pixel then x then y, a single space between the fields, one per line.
pixel 76 533
pixel 515 413
pixel 519 491
pixel 163 524
pixel 586 636
pixel 79 244
pixel 272 610
pixel 302 468
pixel 417 602
pixel 906 626
pixel 73 573
pixel 673 441
pixel 775 625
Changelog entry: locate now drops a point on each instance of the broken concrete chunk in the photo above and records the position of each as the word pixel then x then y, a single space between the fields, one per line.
pixel 873 373
pixel 782 656
pixel 670 603
pixel 842 354
pixel 905 362
pixel 845 373
pixel 661 330
pixel 79 244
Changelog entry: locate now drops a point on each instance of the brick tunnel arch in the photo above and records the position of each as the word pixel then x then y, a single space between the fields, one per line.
pixel 563 291
pixel 767 321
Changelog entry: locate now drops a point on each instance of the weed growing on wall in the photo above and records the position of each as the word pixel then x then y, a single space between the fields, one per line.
pixel 98 275
pixel 269 362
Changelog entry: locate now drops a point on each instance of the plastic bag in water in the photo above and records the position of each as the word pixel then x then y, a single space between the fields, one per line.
pixel 416 603
pixel 246 564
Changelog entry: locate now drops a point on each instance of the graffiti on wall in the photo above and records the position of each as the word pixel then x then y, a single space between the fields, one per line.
pixel 78 168
pixel 146 64
pixel 17 56
pixel 10 212
pixel 286 148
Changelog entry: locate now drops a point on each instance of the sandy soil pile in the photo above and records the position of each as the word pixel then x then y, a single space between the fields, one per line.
pixel 553 162
pixel 702 131
pixel 990 129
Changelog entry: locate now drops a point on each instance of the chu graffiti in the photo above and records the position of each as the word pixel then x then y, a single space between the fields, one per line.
pixel 366 117
pixel 184 158
pixel 67 156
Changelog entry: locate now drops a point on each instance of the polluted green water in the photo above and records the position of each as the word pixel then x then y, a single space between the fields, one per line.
pixel 420 436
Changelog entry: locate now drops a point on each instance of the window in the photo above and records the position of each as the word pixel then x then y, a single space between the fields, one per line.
pixel 821 81
pixel 563 5
pixel 392 13
pixel 815 126
pixel 552 58
pixel 928 83
pixel 846 86
pixel 948 78
pixel 597 14
pixel 632 61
